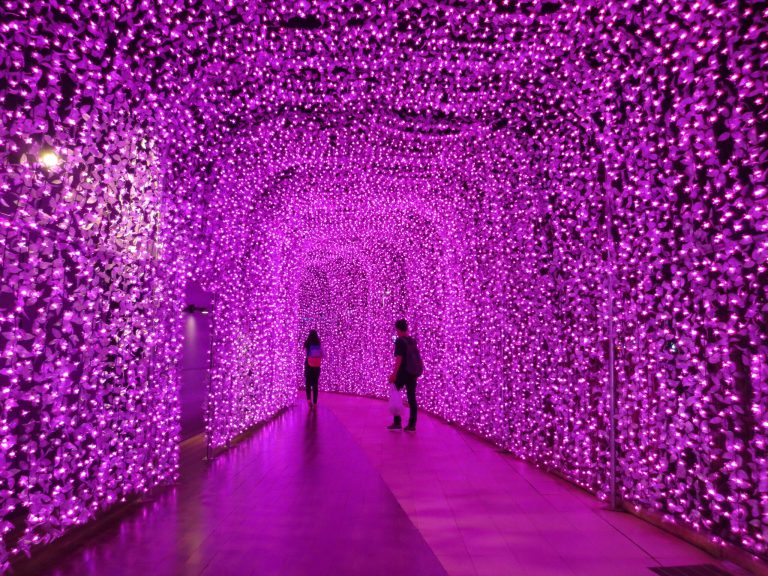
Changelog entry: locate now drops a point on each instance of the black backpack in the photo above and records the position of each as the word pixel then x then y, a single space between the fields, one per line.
pixel 413 364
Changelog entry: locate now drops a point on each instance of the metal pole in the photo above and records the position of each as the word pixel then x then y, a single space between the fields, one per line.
pixel 612 389
pixel 612 497
pixel 208 447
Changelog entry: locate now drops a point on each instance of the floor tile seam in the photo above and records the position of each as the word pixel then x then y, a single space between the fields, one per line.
pixel 425 537
pixel 562 562
pixel 651 556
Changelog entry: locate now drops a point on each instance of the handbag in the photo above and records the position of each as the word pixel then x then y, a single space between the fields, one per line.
pixel 395 401
pixel 315 356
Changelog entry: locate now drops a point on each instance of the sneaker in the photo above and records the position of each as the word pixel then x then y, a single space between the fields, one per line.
pixel 410 428
pixel 395 426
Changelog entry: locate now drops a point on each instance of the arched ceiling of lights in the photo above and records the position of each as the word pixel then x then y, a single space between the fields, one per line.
pixel 493 171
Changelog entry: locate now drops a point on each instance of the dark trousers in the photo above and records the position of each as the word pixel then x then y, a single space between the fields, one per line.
pixel 311 377
pixel 410 393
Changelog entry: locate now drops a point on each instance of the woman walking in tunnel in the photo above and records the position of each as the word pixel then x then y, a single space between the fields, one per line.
pixel 313 359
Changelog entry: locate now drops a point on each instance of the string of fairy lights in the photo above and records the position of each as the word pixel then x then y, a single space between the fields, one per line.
pixel 483 169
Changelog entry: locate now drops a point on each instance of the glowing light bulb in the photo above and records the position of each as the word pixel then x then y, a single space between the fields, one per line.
pixel 49 159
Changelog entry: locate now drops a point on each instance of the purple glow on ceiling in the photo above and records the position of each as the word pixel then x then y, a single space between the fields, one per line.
pixel 484 171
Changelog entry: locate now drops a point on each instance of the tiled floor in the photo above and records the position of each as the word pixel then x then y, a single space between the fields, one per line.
pixel 335 493
pixel 299 497
pixel 485 513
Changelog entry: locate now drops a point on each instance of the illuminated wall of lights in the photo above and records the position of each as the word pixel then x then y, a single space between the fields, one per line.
pixel 491 172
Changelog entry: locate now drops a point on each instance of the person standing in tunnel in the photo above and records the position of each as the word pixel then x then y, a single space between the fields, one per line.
pixel 314 355
pixel 408 368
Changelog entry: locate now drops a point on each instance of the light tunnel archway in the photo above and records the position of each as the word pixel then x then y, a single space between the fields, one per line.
pixel 551 147
pixel 391 262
